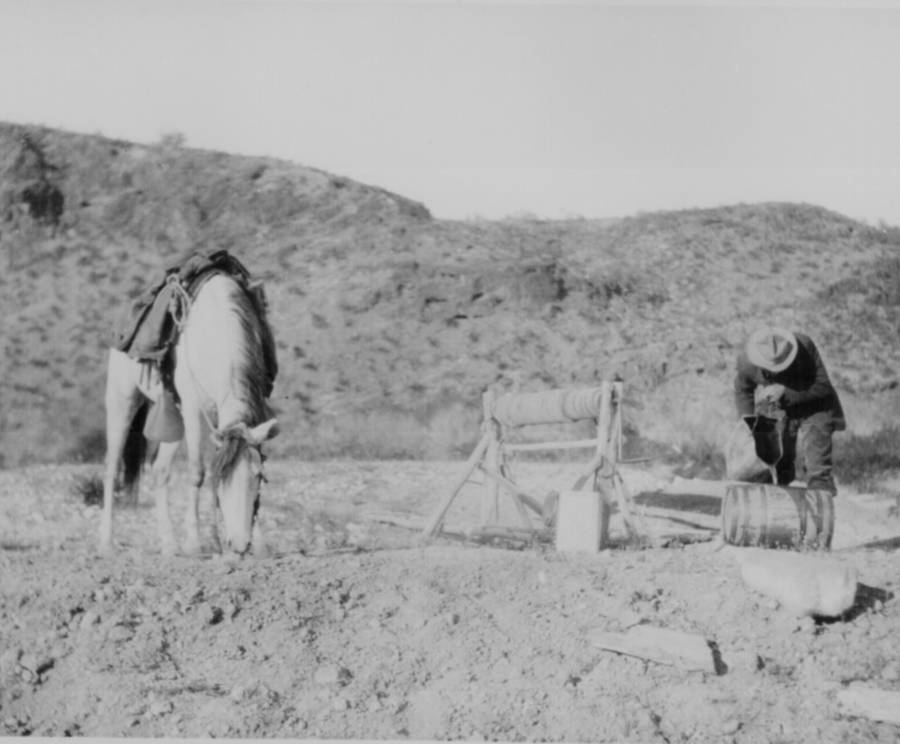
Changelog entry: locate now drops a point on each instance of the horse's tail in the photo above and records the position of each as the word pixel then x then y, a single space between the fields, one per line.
pixel 135 451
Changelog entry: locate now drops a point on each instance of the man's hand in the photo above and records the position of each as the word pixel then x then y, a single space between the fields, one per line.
pixel 772 393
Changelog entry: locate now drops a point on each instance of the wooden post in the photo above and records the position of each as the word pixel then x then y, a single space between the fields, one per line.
pixel 601 461
pixel 490 457
pixel 490 502
pixel 438 517
pixel 502 479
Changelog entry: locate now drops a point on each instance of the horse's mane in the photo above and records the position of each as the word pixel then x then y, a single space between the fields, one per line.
pixel 249 377
pixel 249 380
pixel 227 456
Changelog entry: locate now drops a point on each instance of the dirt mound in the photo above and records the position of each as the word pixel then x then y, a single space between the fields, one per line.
pixel 352 630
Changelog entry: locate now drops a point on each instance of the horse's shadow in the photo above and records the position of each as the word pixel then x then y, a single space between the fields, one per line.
pixel 867 598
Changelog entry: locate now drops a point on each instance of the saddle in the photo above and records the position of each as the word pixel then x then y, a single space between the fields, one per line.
pixel 148 330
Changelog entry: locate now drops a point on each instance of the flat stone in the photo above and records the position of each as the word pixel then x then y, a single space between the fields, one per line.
pixel 88 619
pixel 160 708
pixel 332 674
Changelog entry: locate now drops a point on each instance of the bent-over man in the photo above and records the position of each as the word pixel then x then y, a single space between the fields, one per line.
pixel 792 378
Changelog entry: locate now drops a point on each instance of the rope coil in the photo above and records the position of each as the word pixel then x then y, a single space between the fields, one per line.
pixel 179 302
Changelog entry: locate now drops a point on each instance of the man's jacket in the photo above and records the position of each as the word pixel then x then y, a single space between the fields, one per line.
pixel 807 388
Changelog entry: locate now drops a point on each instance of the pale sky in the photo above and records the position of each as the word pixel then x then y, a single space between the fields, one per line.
pixel 495 109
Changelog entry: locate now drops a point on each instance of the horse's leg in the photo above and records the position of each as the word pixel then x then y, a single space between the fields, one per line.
pixel 162 471
pixel 193 432
pixel 123 399
pixel 260 546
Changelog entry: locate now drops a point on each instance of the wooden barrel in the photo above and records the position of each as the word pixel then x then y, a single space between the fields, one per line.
pixel 777 516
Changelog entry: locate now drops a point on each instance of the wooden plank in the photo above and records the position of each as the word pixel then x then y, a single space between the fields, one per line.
pixel 490 504
pixel 870 702
pixel 700 522
pixel 538 446
pixel 434 524
pixel 604 421
pixel 520 509
pixel 660 645
pixel 512 533
pixel 397 522
pixel 595 464
pixel 624 501
pixel 697 487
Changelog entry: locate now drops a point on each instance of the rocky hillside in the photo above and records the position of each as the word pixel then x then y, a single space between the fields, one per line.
pixel 389 322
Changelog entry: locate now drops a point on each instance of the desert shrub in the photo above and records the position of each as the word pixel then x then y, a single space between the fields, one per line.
pixel 862 460
pixel 886 280
pixel 878 282
pixel 636 285
pixel 88 489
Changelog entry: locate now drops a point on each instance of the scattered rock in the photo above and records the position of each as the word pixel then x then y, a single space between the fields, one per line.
pixel 88 619
pixel 27 675
pixel 160 708
pixel 37 664
pixel 730 726
pixel 340 704
pixel 871 702
pixel 9 661
pixel 743 660
pixel 805 584
pixel 209 614
pixel 331 674
pixel 120 633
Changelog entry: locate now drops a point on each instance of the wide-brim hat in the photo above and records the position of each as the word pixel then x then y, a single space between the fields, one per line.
pixel 772 348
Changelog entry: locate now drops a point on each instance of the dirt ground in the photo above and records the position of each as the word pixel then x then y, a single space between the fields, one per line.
pixel 350 628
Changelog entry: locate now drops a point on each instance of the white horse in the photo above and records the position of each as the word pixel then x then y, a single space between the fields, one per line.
pixel 221 378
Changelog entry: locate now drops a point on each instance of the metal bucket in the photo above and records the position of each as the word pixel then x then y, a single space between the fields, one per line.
pixel 582 522
pixel 777 516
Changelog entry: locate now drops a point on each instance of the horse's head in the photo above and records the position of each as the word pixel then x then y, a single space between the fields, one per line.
pixel 236 473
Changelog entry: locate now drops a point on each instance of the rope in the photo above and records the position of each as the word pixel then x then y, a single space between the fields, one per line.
pixel 179 308
pixel 180 301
